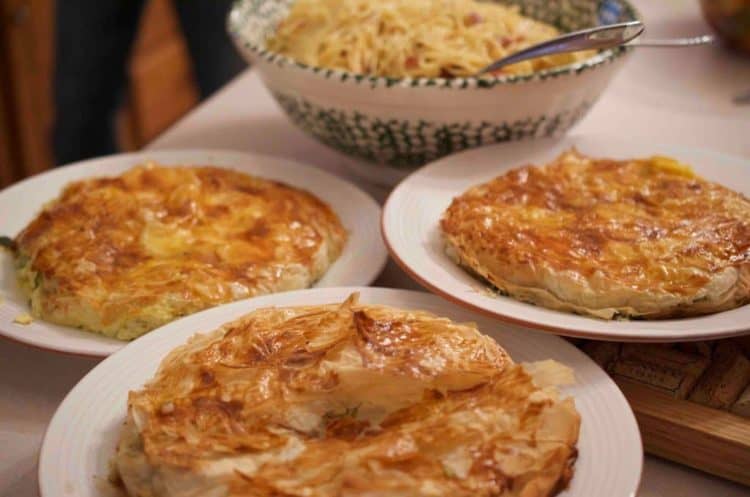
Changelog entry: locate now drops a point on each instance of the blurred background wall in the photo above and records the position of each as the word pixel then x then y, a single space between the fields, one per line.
pixel 160 83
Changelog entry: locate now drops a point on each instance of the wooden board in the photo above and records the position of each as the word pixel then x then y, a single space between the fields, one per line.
pixel 161 87
pixel 161 75
pixel 26 30
pixel 8 160
pixel 711 440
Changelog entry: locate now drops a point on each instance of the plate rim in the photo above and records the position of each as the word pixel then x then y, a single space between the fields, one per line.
pixel 58 424
pixel 538 147
pixel 166 153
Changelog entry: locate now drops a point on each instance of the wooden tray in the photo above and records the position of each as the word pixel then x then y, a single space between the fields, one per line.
pixel 701 437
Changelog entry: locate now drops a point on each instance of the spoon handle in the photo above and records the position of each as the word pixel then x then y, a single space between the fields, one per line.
pixel 675 42
pixel 599 37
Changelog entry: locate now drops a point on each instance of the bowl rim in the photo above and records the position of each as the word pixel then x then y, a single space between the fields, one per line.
pixel 235 23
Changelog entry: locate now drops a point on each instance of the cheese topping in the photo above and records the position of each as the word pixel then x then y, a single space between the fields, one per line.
pixel 23 319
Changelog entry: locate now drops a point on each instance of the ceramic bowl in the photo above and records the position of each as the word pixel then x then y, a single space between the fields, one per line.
pixel 399 124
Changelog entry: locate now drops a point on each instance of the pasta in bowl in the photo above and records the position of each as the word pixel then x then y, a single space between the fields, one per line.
pixel 415 38
pixel 390 82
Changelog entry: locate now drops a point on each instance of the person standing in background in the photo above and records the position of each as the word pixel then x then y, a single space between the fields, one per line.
pixel 93 43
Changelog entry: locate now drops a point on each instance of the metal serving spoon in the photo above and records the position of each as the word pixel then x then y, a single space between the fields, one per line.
pixel 608 36
pixel 675 42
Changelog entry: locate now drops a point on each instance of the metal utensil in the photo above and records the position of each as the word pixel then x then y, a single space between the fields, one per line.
pixel 675 42
pixel 609 36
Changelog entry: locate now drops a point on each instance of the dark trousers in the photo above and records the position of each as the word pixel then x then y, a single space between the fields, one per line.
pixel 93 42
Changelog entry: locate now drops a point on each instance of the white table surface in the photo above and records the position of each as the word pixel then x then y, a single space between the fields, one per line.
pixel 682 97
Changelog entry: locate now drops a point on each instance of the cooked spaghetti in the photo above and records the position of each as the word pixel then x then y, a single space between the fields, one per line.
pixel 412 38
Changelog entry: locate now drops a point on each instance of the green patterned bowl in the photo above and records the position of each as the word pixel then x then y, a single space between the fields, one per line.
pixel 397 125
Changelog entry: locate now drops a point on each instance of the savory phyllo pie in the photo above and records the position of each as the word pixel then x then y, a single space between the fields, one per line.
pixel 348 400
pixel 123 255
pixel 641 238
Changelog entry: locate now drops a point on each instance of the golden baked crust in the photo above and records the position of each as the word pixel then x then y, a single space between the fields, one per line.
pixel 634 238
pixel 346 400
pixel 123 255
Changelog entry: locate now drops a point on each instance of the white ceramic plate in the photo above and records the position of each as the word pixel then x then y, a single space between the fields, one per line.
pixel 360 263
pixel 415 242
pixel 82 436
